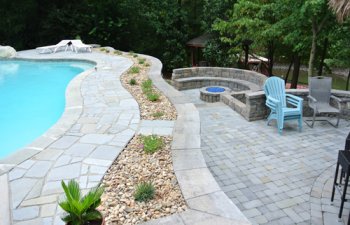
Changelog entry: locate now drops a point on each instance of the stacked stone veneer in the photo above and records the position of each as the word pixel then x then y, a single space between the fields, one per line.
pixel 252 105
pixel 246 97
pixel 235 79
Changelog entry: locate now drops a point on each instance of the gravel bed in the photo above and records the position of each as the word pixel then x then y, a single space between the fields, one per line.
pixel 158 110
pixel 132 167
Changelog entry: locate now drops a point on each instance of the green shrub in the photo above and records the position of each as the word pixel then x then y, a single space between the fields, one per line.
pixel 152 96
pixel 152 143
pixel 144 192
pixel 80 209
pixel 158 114
pixel 117 52
pixel 142 60
pixel 147 86
pixel 134 69
pixel 132 82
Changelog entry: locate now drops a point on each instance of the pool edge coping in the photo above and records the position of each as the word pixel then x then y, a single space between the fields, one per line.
pixel 57 129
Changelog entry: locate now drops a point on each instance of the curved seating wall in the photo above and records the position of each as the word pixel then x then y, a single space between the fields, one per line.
pixel 199 82
pixel 221 72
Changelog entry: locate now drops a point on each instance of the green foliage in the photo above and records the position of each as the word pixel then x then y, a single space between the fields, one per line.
pixel 144 192
pixel 152 96
pixel 147 65
pixel 80 209
pixel 141 60
pixel 134 69
pixel 152 143
pixel 135 56
pixel 117 52
pixel 158 114
pixel 147 86
pixel 132 82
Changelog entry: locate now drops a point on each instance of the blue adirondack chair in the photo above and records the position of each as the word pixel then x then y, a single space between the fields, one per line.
pixel 279 102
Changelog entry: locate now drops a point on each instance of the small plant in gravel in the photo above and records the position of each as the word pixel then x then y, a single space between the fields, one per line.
pixel 153 97
pixel 102 49
pixel 132 82
pixel 134 69
pixel 144 192
pixel 147 86
pixel 117 52
pixel 142 60
pixel 135 56
pixel 152 143
pixel 147 64
pixel 158 114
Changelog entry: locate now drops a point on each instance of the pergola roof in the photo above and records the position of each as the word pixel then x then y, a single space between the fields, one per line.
pixel 199 42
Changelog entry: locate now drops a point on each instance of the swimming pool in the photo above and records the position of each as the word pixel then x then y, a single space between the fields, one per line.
pixel 32 98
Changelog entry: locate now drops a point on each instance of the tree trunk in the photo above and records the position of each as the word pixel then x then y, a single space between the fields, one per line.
pixel 313 51
pixel 246 52
pixel 296 69
pixel 347 81
pixel 271 51
pixel 323 56
pixel 287 74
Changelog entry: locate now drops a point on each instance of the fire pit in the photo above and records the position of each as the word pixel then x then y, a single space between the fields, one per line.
pixel 212 94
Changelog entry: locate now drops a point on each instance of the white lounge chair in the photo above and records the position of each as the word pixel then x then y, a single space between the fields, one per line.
pixel 54 48
pixel 78 44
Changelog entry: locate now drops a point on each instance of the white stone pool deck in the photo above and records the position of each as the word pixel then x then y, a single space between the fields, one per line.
pixel 99 120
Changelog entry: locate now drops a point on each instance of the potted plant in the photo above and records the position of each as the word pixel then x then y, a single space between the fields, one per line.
pixel 81 210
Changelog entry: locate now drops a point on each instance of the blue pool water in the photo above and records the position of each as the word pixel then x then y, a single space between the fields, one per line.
pixel 215 89
pixel 32 98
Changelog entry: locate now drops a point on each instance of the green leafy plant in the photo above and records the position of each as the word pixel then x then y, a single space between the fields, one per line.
pixel 80 209
pixel 152 96
pixel 158 114
pixel 134 69
pixel 147 86
pixel 132 82
pixel 144 192
pixel 141 60
pixel 117 52
pixel 152 143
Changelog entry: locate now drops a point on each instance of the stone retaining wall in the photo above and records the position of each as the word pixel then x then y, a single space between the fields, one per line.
pixel 251 105
pixel 233 73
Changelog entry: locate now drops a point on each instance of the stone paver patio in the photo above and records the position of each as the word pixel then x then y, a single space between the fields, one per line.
pixel 272 179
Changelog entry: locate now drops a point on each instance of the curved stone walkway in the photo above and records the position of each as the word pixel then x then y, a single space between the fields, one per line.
pixel 272 179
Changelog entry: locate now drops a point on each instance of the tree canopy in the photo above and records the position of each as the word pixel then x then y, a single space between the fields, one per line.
pixel 279 29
